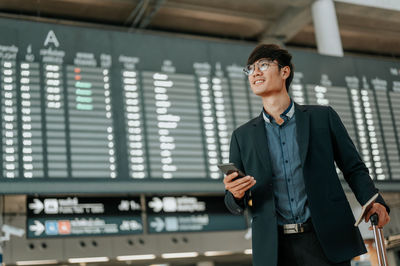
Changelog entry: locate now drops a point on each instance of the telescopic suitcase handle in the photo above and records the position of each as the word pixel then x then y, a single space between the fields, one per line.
pixel 379 240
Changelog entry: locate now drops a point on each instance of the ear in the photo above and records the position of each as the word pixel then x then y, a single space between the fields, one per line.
pixel 285 72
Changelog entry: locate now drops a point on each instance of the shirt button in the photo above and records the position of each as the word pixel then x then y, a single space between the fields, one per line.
pixel 283 143
pixel 288 180
pixel 286 161
pixel 292 201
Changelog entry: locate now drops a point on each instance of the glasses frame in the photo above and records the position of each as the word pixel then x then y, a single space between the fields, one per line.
pixel 249 72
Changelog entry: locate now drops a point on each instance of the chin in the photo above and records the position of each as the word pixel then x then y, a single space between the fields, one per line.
pixel 259 91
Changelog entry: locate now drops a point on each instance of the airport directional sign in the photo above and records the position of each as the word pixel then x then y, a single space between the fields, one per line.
pixel 83 216
pixel 167 214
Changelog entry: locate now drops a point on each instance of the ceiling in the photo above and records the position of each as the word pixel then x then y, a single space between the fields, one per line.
pixel 363 29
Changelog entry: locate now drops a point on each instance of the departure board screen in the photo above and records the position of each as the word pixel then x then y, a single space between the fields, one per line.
pixel 89 110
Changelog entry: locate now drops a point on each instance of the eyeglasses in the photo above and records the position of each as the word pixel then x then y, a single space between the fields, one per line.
pixel 262 65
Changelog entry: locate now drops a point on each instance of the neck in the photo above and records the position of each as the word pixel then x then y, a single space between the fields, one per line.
pixel 276 104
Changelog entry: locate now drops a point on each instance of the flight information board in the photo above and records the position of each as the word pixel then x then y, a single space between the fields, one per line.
pixel 88 110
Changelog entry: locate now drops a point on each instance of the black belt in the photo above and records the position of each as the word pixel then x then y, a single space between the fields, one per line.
pixel 287 229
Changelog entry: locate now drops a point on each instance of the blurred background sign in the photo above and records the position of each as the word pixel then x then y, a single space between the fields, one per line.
pixel 190 214
pixel 83 216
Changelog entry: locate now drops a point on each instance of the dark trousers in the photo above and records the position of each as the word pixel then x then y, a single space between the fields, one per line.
pixel 302 249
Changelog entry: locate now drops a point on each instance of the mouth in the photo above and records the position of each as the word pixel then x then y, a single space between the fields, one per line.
pixel 259 81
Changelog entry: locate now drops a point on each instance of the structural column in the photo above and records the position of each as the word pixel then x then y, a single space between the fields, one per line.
pixel 326 28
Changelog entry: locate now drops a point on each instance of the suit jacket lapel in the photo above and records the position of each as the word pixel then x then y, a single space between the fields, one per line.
pixel 260 143
pixel 302 130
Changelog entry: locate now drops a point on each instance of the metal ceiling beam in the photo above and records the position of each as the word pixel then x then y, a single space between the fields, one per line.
pixel 147 19
pixel 140 14
pixel 206 12
pixel 349 30
pixel 364 12
pixel 291 3
pixel 357 32
pixel 134 13
pixel 288 25
pixel 387 4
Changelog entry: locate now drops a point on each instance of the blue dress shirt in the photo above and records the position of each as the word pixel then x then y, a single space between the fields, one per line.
pixel 289 189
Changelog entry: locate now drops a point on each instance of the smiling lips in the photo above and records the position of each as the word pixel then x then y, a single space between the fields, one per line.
pixel 259 81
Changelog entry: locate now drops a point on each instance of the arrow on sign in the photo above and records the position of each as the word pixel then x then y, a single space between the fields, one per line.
pixel 156 204
pixel 37 206
pixel 38 228
pixel 157 224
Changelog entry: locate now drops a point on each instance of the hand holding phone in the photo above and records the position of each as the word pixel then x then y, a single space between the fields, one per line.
pixel 239 184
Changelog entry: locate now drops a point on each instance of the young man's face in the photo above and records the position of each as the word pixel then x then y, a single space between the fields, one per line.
pixel 267 78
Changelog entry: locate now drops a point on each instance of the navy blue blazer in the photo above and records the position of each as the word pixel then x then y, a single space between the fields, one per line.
pixel 323 140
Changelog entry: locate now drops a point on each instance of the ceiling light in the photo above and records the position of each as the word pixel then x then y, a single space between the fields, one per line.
pixel 248 251
pixel 179 255
pixel 36 262
pixel 217 253
pixel 85 260
pixel 136 257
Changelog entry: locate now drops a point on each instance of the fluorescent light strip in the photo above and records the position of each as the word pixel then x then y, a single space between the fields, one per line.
pixel 248 251
pixel 179 255
pixel 137 257
pixel 92 259
pixel 217 253
pixel 36 262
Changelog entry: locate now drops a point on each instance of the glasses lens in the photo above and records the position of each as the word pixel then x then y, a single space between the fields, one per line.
pixel 263 65
pixel 249 69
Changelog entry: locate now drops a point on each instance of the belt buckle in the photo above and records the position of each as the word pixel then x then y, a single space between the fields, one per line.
pixel 293 229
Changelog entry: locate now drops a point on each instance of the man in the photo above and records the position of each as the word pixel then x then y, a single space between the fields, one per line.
pixel 300 214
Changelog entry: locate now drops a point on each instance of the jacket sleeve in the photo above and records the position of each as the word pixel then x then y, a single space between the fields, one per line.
pixel 235 206
pixel 350 163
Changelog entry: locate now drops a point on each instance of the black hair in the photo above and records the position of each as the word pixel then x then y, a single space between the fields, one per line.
pixel 273 52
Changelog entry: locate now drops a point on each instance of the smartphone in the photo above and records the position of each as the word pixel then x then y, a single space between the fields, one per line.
pixel 229 168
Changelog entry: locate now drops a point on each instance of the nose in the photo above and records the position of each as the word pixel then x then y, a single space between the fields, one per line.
pixel 257 71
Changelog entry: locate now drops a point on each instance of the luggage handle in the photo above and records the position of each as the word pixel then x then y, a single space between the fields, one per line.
pixel 374 219
pixel 379 240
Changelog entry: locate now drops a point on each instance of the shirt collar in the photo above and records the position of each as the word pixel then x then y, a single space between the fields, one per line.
pixel 286 115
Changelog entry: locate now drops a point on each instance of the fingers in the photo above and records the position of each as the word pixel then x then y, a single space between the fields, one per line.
pixel 243 186
pixel 228 178
pixel 241 192
pixel 238 183
pixel 249 186
pixel 384 217
pixel 369 213
pixel 239 186
pixel 372 210
pixel 385 221
pixel 380 210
